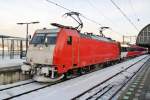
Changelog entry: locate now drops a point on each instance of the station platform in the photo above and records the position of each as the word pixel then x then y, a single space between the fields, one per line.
pixel 139 87
pixel 10 71
pixel 10 64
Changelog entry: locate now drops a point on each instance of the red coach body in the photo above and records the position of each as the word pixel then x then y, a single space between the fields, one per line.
pixel 136 51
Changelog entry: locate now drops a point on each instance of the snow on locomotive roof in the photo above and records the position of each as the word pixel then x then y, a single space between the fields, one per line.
pixel 48 30
pixel 87 35
pixel 96 37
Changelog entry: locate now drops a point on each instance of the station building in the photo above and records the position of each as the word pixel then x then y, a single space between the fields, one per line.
pixel 143 38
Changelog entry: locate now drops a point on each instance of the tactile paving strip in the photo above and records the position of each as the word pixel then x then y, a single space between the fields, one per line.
pixel 139 89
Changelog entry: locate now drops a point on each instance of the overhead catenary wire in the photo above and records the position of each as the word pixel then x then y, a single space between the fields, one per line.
pixel 127 18
pixel 93 21
pixel 58 5
pixel 134 12
pixel 100 12
pixel 87 18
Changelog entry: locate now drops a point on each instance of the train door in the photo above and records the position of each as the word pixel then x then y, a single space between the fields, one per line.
pixel 74 42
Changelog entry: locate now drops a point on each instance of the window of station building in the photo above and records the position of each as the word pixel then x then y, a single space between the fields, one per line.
pixel 69 40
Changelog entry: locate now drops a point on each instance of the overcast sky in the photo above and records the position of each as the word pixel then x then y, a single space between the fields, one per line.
pixel 102 11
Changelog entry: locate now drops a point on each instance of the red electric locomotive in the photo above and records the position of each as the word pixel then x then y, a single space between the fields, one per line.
pixel 54 52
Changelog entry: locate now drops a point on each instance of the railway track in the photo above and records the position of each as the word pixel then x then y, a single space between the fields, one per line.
pixel 32 86
pixel 28 85
pixel 100 90
pixel 18 85
pixel 23 89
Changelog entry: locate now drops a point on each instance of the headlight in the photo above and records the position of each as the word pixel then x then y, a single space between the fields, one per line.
pixel 29 59
pixel 45 70
pixel 25 67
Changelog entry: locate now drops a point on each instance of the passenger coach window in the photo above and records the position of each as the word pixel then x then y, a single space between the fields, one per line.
pixel 123 49
pixel 69 40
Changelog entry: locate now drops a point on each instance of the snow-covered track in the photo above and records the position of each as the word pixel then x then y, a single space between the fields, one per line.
pixel 99 90
pixel 33 88
pixel 27 87
pixel 18 85
pixel 23 89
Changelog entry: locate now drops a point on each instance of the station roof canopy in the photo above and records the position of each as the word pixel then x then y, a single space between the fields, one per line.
pixel 11 37
pixel 143 38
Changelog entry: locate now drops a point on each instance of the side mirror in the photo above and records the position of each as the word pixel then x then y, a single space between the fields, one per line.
pixel 29 37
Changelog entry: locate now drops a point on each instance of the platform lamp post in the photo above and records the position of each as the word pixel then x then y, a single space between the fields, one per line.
pixel 27 28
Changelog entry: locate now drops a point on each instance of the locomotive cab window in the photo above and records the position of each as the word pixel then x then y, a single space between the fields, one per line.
pixel 38 38
pixel 41 38
pixel 69 40
pixel 51 38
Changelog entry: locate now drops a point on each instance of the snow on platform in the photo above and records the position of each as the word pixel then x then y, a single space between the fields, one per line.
pixel 71 88
pixel 5 63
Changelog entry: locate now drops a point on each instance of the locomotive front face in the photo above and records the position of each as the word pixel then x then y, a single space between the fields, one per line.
pixel 42 46
pixel 40 56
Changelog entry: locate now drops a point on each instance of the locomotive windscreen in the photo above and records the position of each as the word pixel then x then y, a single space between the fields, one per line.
pixel 51 38
pixel 41 38
pixel 38 38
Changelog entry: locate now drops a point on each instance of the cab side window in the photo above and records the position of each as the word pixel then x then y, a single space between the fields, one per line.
pixel 69 40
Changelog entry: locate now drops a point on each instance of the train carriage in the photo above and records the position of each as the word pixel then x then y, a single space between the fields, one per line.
pixel 129 51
